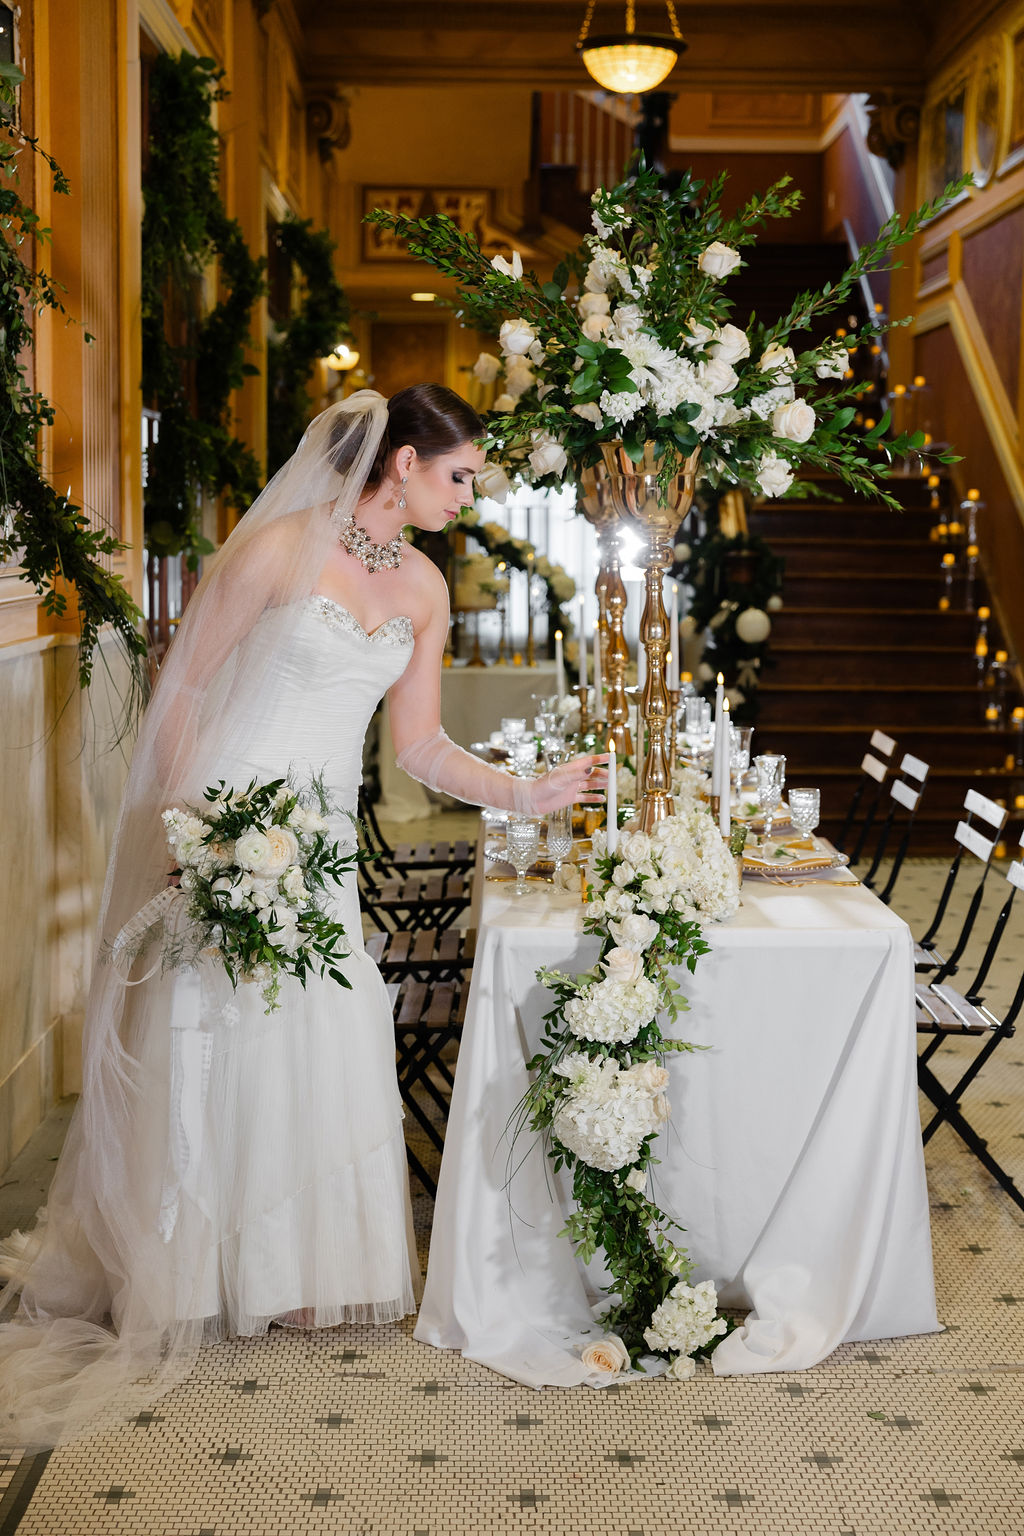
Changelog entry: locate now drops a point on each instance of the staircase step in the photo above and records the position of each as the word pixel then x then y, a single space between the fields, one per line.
pixel 857 557
pixel 871 665
pixel 830 703
pixel 881 589
pixel 967 749
pixel 822 519
pixel 840 625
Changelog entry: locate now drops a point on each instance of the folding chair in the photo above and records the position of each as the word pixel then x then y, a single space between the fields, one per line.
pixel 410 858
pixel 432 900
pixel 875 766
pixel 904 799
pixel 979 843
pixel 943 1011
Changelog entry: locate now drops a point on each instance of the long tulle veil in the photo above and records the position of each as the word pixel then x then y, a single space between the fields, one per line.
pixel 95 1333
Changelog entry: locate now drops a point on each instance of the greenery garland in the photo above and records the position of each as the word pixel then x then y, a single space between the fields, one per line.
pixel 185 227
pixel 322 320
pixel 720 596
pixel 597 1093
pixel 49 535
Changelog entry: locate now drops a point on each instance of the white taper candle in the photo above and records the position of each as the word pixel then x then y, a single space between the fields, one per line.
pixel 583 645
pixel 559 666
pixel 613 802
pixel 725 792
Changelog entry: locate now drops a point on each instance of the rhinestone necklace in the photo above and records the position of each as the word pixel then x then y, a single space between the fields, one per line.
pixel 375 557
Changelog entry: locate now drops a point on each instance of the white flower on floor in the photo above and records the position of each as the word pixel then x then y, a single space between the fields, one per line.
pixel 609 1356
pixel 686 1321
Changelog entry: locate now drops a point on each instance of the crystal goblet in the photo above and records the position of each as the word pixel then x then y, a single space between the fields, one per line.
pixel 559 838
pixel 805 810
pixel 522 841
pixel 771 776
pixel 739 753
pixel 513 727
pixel 522 757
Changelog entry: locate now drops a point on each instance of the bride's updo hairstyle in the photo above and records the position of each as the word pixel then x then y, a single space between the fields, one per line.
pixel 428 417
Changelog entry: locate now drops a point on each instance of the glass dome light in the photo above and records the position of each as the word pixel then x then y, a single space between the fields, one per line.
pixel 630 62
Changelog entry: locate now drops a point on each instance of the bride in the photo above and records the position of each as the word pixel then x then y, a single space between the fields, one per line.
pixel 225 1168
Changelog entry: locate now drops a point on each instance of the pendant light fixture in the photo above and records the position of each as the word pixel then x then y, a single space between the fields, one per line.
pixel 630 62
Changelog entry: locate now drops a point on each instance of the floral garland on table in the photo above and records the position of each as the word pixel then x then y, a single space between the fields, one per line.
pixel 632 339
pixel 598 1088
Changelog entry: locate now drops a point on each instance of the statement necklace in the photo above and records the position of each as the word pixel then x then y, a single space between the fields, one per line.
pixel 375 557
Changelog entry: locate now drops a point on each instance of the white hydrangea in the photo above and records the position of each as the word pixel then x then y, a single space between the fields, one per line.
pixel 606 1111
pixel 611 1011
pixel 764 406
pixel 686 1321
pixel 620 407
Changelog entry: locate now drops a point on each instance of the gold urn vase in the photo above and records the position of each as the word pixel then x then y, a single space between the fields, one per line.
pixel 598 506
pixel 634 492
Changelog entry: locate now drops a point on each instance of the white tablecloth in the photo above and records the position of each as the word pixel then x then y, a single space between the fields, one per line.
pixel 473 702
pixel 793 1157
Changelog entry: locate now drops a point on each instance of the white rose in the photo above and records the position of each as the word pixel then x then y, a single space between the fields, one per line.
pixel 683 1368
pixel 547 456
pixel 635 931
pixel 623 965
pixel 596 280
pixel 608 1356
pixel 536 354
pixel 636 1179
pixel 718 260
pixel 595 326
pixel 283 849
pixel 794 421
pixel 778 360
pixel 591 411
pixel 731 344
pixel 516 337
pixel 492 482
pixel 505 404
pixel 487 367
pixel 293 884
pixel 774 474
pixel 719 376
pixel 649 1076
pixel 593 304
pixel 834 362
pixel 513 268
pixel 698 334
pixel 303 820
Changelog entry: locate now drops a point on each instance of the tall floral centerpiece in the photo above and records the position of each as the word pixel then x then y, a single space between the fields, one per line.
pixel 628 357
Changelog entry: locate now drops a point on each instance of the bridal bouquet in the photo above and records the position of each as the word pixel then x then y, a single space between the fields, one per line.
pixel 599 1084
pixel 632 339
pixel 253 865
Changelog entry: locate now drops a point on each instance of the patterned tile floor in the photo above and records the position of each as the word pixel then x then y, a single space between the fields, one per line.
pixel 357 1430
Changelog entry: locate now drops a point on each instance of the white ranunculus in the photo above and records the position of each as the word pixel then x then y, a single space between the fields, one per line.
pixel 487 367
pixel 590 411
pixel 253 852
pixel 547 457
pixel 513 268
pixel 623 965
pixel 774 474
pixel 593 304
pixel 516 337
pixel 794 421
pixel 492 482
pixel 504 404
pixel 779 361
pixel 683 1368
pixel 718 260
pixel 595 326
pixel 718 376
pixel 634 932
pixel 731 345
pixel 607 1356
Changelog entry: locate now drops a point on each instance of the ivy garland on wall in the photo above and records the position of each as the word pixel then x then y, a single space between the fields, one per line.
pixel 190 380
pixel 49 536
pixel 321 321
pixel 736 583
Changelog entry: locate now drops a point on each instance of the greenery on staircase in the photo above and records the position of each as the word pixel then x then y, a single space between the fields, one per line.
pixel 191 360
pixel 56 545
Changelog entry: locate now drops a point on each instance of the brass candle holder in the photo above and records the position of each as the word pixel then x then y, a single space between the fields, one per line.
pixel 657 511
pixel 599 510
pixel 635 695
pixel 673 727
pixel 582 692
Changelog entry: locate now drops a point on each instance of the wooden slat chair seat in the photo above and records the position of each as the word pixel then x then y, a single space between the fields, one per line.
pixel 875 767
pixel 942 1011
pixel 433 899
pixel 425 954
pixel 412 858
pixel 976 836
pixel 905 793
pixel 429 1017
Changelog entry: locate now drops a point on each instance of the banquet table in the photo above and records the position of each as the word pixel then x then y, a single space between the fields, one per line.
pixel 793 1157
pixel 473 700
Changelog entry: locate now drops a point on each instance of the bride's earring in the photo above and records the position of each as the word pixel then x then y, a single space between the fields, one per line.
pixel 401 499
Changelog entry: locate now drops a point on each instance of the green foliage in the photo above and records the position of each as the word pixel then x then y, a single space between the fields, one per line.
pixel 48 534
pixel 184 229
pixel 321 321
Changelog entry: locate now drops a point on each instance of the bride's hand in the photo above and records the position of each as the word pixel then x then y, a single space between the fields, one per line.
pixel 583 780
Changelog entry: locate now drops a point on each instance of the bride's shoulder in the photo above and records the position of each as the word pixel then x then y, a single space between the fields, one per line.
pixel 423 574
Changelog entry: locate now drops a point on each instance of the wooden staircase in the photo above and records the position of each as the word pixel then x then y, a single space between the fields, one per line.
pixel 863 643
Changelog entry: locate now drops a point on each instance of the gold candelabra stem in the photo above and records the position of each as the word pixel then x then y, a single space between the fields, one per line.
pixel 673 734
pixel 635 696
pixel 618 734
pixel 582 692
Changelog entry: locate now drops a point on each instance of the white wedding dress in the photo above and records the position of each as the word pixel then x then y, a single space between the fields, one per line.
pixel 290 1191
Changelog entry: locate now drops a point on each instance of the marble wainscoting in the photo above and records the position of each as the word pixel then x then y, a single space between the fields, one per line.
pixel 61 775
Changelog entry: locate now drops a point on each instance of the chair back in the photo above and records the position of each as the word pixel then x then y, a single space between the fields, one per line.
pixel 875 766
pixel 905 793
pixel 975 835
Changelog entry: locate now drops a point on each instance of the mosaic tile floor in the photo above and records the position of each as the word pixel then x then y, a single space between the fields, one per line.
pixel 356 1431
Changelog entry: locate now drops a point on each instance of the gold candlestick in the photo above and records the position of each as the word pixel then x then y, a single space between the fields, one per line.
pixel 673 732
pixel 582 692
pixel 599 510
pixel 658 512
pixel 635 696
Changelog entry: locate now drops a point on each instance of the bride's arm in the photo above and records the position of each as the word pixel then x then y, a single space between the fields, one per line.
pixel 427 754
